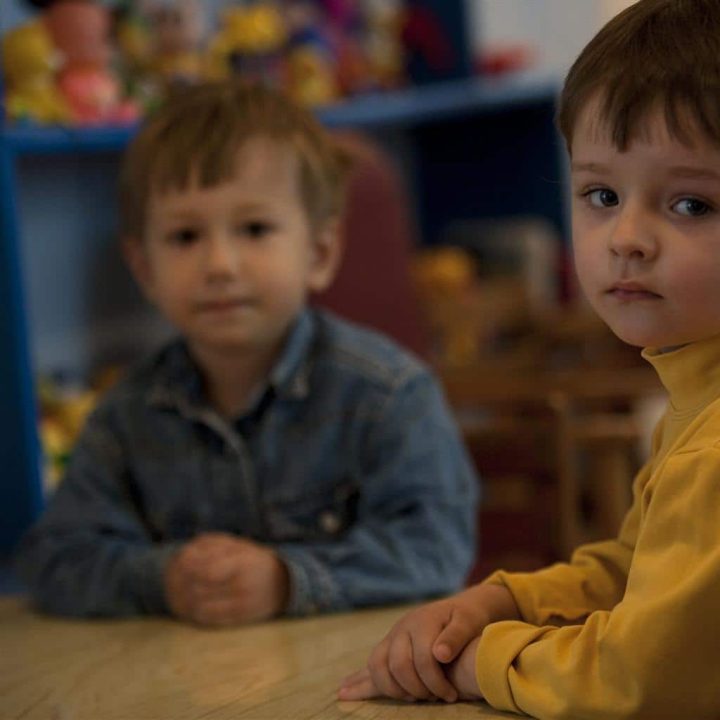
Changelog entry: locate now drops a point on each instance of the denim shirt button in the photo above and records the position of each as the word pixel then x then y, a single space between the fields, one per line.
pixel 329 522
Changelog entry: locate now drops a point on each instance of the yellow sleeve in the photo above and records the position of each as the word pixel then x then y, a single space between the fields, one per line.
pixel 655 653
pixel 594 579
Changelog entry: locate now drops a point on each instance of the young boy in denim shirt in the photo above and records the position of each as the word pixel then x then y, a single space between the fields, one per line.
pixel 275 459
pixel 628 627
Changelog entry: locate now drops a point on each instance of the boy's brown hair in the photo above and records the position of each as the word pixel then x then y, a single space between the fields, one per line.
pixel 196 134
pixel 655 54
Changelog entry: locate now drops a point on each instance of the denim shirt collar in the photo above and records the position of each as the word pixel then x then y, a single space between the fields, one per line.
pixel 178 383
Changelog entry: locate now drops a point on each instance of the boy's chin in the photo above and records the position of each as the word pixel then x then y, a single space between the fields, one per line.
pixel 661 341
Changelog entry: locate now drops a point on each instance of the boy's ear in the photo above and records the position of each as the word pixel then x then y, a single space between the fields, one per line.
pixel 327 254
pixel 135 254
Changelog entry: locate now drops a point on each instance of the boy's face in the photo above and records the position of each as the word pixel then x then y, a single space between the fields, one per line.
pixel 231 265
pixel 646 232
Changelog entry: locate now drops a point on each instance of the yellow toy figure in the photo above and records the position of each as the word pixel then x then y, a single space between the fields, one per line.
pixel 447 281
pixel 310 76
pixel 310 73
pixel 384 49
pixel 29 60
pixel 62 415
pixel 250 43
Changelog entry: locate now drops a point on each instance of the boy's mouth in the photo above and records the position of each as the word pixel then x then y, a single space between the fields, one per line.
pixel 224 304
pixel 632 291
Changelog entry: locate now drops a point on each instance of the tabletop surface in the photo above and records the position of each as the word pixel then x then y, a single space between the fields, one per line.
pixel 158 669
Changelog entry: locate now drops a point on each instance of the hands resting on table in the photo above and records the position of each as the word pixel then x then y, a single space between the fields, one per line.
pixel 220 579
pixel 430 653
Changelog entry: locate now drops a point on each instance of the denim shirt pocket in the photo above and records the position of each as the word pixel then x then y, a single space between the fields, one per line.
pixel 320 514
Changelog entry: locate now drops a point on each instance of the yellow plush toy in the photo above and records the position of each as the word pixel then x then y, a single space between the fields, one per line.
pixel 249 43
pixel 28 60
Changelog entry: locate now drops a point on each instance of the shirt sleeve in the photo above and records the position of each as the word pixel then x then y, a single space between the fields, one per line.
pixel 414 535
pixel 90 553
pixel 653 654
pixel 594 579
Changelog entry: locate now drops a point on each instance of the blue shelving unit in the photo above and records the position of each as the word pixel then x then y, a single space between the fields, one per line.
pixel 412 106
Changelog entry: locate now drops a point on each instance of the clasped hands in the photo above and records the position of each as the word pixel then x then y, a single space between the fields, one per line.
pixel 430 653
pixel 219 579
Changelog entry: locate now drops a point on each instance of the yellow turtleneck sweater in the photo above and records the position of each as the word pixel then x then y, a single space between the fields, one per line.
pixel 630 627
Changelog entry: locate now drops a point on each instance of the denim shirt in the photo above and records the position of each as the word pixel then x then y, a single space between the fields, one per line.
pixel 349 465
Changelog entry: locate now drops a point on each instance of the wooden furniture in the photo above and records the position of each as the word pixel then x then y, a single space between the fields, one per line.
pixel 160 669
pixel 573 431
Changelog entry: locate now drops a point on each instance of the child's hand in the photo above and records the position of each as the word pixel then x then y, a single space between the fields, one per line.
pixel 460 673
pixel 409 663
pixel 220 579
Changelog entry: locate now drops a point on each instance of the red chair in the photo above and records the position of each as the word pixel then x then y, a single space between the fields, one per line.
pixel 374 286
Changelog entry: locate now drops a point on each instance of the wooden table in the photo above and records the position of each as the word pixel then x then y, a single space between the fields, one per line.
pixel 160 669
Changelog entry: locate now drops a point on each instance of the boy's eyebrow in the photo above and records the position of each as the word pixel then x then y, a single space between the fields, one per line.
pixel 683 171
pixel 699 173
pixel 589 167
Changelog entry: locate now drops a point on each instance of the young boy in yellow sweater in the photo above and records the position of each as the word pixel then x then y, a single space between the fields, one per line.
pixel 628 627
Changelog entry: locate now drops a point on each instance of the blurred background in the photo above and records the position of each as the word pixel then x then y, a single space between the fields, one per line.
pixel 458 212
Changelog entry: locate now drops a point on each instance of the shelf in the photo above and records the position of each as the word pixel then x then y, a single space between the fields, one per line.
pixel 410 106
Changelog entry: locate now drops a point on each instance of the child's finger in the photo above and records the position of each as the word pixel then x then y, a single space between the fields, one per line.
pixel 401 665
pixel 430 673
pixel 382 678
pixel 358 686
pixel 218 612
pixel 218 569
pixel 355 677
pixel 452 639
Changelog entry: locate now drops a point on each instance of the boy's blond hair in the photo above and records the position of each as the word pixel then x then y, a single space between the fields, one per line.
pixel 656 54
pixel 195 137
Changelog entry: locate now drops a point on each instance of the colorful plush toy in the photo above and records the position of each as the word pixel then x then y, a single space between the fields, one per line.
pixel 250 43
pixel 310 63
pixel 383 45
pixel 80 29
pixel 178 32
pixel 29 61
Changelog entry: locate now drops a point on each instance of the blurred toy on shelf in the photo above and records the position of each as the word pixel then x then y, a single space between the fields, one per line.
pixel 119 58
pixel 310 73
pixel 428 50
pixel 250 43
pixel 310 76
pixel 501 59
pixel 29 60
pixel 447 288
pixel 80 29
pixel 383 45
pixel 178 37
pixel 344 25
pixel 132 36
pixel 63 409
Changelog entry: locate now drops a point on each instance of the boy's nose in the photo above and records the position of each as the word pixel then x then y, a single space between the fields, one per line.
pixel 221 256
pixel 633 235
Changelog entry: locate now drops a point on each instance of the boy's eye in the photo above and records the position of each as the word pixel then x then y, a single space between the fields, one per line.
pixel 255 229
pixel 602 197
pixel 183 236
pixel 692 207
